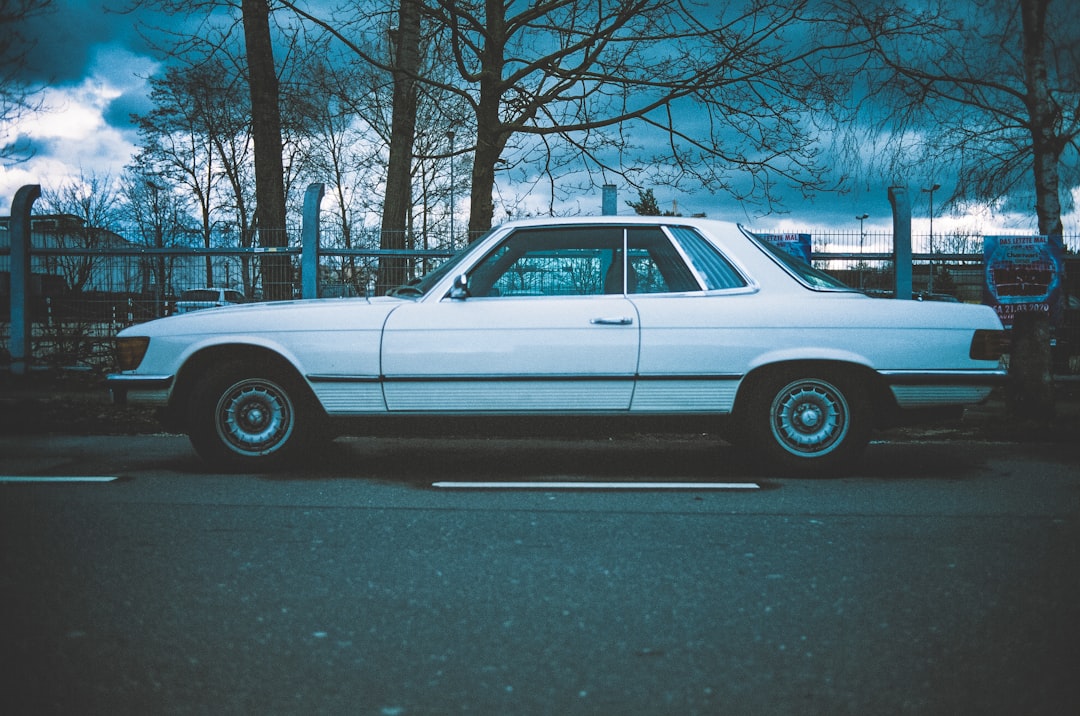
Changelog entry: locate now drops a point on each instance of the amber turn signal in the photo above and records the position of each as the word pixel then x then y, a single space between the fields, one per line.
pixel 130 351
pixel 989 345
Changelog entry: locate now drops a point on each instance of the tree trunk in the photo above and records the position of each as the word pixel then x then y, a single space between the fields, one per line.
pixel 266 138
pixel 1031 394
pixel 1031 385
pixel 489 145
pixel 491 136
pixel 393 271
pixel 208 233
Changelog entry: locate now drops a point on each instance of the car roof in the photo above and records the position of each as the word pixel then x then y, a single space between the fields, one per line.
pixel 619 220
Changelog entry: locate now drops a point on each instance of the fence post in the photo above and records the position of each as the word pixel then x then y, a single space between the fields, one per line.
pixel 21 319
pixel 309 242
pixel 901 208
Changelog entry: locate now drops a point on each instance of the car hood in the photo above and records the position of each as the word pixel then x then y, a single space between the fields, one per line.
pixel 273 317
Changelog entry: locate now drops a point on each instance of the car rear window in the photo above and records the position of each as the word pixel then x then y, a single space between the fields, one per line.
pixel 804 272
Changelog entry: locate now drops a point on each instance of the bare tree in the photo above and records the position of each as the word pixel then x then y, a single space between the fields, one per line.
pixel 159 218
pixel 345 148
pixel 266 135
pixel 198 137
pixel 177 136
pixel 84 213
pixel 725 88
pixel 213 33
pixel 93 201
pixel 17 95
pixel 398 199
pixel 397 88
pixel 989 89
pixel 992 89
pixel 439 171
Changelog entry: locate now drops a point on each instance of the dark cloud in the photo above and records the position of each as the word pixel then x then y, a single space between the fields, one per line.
pixel 118 114
pixel 21 146
pixel 68 35
pixel 24 145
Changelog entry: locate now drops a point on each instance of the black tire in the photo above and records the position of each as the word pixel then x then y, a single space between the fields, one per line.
pixel 249 417
pixel 810 422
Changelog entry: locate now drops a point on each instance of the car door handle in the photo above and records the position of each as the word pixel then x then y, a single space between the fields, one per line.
pixel 620 321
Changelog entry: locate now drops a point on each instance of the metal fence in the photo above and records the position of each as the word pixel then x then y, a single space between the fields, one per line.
pixel 81 297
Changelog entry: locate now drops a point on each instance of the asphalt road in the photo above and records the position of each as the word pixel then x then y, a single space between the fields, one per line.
pixel 943 578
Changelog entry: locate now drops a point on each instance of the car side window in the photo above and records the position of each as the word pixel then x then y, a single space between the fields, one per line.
pixel 655 265
pixel 588 261
pixel 715 270
pixel 551 262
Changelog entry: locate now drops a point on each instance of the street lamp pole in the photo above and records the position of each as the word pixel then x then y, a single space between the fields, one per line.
pixel 862 238
pixel 450 136
pixel 930 191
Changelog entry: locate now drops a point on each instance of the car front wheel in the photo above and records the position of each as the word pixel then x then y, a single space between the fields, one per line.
pixel 248 418
pixel 813 424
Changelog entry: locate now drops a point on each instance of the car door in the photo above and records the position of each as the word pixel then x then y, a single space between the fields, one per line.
pixel 689 301
pixel 546 328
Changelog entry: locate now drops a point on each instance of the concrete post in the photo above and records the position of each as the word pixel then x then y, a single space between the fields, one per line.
pixel 901 208
pixel 610 205
pixel 19 231
pixel 309 242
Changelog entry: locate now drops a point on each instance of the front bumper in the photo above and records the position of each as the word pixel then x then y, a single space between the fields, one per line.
pixel 139 389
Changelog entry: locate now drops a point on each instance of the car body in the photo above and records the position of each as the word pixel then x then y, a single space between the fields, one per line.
pixel 196 299
pixel 602 320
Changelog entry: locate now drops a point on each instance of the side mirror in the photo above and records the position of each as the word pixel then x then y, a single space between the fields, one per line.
pixel 460 291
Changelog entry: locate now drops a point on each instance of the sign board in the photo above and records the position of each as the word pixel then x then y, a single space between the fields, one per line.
pixel 1023 274
pixel 798 245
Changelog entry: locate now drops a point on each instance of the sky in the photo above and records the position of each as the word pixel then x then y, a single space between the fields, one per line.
pixel 94 67
pixel 96 64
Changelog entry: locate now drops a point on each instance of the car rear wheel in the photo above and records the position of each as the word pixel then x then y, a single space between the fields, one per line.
pixel 809 423
pixel 249 417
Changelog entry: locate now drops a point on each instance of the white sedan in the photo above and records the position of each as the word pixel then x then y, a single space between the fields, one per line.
pixel 600 320
pixel 200 298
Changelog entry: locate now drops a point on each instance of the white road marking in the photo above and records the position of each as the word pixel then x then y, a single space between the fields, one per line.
pixel 60 478
pixel 598 485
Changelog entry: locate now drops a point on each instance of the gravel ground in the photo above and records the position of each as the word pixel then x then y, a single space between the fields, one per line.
pixel 76 403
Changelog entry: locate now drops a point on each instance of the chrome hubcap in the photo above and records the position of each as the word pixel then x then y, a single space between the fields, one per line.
pixel 809 417
pixel 255 417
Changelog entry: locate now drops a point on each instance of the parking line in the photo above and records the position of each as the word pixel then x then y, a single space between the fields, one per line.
pixel 59 478
pixel 598 485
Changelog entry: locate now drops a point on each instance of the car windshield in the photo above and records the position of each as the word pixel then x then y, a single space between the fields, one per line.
pixel 421 285
pixel 804 272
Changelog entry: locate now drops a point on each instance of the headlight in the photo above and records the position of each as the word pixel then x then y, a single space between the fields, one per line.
pixel 130 351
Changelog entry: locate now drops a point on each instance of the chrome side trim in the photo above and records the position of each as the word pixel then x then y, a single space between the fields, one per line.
pixel 937 388
pixel 684 396
pixel 509 397
pixel 927 396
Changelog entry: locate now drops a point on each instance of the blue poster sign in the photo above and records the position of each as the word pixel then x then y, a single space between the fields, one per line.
pixel 1023 274
pixel 798 245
